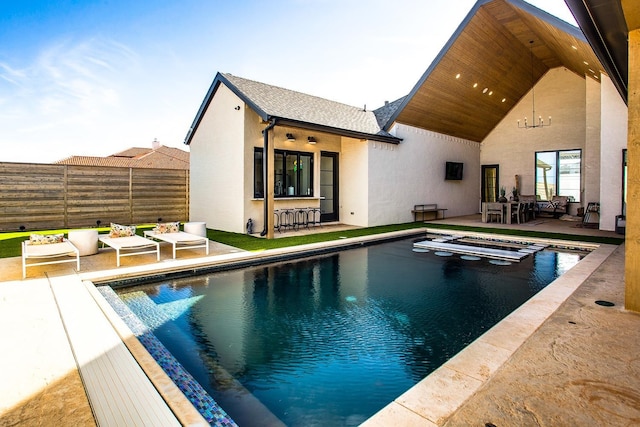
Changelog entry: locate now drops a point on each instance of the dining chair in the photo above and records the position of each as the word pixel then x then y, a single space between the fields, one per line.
pixel 495 210
pixel 531 210
pixel 518 213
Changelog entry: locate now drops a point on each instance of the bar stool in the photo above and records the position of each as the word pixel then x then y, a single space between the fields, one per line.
pixel 287 218
pixel 314 216
pixel 302 217
pixel 276 220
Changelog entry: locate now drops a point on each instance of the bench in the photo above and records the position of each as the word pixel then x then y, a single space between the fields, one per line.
pixel 426 208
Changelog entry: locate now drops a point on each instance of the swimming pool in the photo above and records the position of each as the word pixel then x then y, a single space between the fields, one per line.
pixel 333 339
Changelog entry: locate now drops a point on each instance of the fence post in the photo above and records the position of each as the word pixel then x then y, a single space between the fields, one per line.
pixel 130 195
pixel 188 195
pixel 65 197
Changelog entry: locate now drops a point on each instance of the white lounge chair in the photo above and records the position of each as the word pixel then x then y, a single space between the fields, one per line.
pixel 47 252
pixel 130 246
pixel 180 240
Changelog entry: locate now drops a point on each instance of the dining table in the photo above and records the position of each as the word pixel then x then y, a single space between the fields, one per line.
pixel 507 208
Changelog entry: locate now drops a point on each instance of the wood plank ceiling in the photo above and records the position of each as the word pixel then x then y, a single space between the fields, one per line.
pixel 486 68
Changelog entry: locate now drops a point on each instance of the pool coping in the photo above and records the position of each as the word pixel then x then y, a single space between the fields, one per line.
pixel 440 394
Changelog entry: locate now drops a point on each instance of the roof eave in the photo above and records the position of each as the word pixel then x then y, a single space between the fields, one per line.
pixel 282 121
pixel 220 79
pixel 434 63
pixel 604 45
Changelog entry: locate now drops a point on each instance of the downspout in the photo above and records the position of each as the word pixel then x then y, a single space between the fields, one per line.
pixel 265 164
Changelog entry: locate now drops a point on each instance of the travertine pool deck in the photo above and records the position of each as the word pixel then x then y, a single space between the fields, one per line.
pixel 544 365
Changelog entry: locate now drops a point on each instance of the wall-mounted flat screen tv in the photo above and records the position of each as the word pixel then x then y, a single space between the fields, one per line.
pixel 453 171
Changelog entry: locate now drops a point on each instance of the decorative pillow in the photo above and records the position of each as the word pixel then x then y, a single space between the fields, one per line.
pixel 118 230
pixel 167 227
pixel 45 239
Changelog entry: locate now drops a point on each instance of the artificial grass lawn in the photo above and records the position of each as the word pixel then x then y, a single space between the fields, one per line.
pixel 10 242
pixel 251 243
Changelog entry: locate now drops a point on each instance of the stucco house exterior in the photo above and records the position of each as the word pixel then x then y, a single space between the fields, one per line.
pixel 506 61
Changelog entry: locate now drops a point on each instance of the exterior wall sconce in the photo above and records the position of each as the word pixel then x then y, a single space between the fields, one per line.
pixel 237 108
pixel 290 137
pixel 311 140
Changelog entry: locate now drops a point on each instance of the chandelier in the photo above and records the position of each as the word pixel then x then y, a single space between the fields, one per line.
pixel 540 123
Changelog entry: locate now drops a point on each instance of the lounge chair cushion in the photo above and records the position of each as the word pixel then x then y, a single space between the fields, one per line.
pixel 130 245
pixel 45 239
pixel 118 230
pixel 45 251
pixel 557 206
pixel 167 227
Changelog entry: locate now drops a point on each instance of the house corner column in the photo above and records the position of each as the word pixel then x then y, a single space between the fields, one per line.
pixel 632 239
pixel 268 197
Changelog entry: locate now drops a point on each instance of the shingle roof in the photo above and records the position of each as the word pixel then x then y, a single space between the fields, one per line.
pixel 384 113
pixel 296 108
pixel 280 102
pixel 135 157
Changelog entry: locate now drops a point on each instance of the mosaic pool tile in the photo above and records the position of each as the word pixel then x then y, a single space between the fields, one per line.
pixel 203 402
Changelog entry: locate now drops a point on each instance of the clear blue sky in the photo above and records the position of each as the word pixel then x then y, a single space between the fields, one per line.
pixel 96 77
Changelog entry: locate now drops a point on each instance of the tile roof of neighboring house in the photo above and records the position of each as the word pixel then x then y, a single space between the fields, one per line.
pixel 293 108
pixel 159 158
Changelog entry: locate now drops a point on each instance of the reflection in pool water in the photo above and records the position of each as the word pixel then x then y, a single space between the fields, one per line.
pixel 332 340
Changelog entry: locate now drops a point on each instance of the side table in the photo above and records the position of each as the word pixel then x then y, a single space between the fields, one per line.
pixel 85 240
pixel 197 228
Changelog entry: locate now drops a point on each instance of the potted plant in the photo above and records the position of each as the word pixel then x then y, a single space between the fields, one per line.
pixel 503 195
pixel 514 192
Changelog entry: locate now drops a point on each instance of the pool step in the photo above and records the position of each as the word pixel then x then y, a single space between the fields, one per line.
pixel 446 238
pixel 472 250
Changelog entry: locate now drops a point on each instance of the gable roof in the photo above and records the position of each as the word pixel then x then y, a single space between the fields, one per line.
pixel 481 73
pixel 491 48
pixel 291 108
pixel 136 157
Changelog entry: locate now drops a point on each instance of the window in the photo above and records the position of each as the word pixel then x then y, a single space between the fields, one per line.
pixel 293 174
pixel 258 177
pixel 558 173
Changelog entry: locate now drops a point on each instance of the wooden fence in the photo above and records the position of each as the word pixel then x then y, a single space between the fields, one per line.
pixel 44 196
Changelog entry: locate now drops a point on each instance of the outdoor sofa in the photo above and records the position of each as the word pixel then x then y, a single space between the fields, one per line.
pixel 556 207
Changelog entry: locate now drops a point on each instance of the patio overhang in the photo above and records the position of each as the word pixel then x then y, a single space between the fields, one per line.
pixel 386 137
pixel 606 24
pixel 485 68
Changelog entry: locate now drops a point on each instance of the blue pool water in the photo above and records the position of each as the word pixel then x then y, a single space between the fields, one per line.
pixel 333 339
